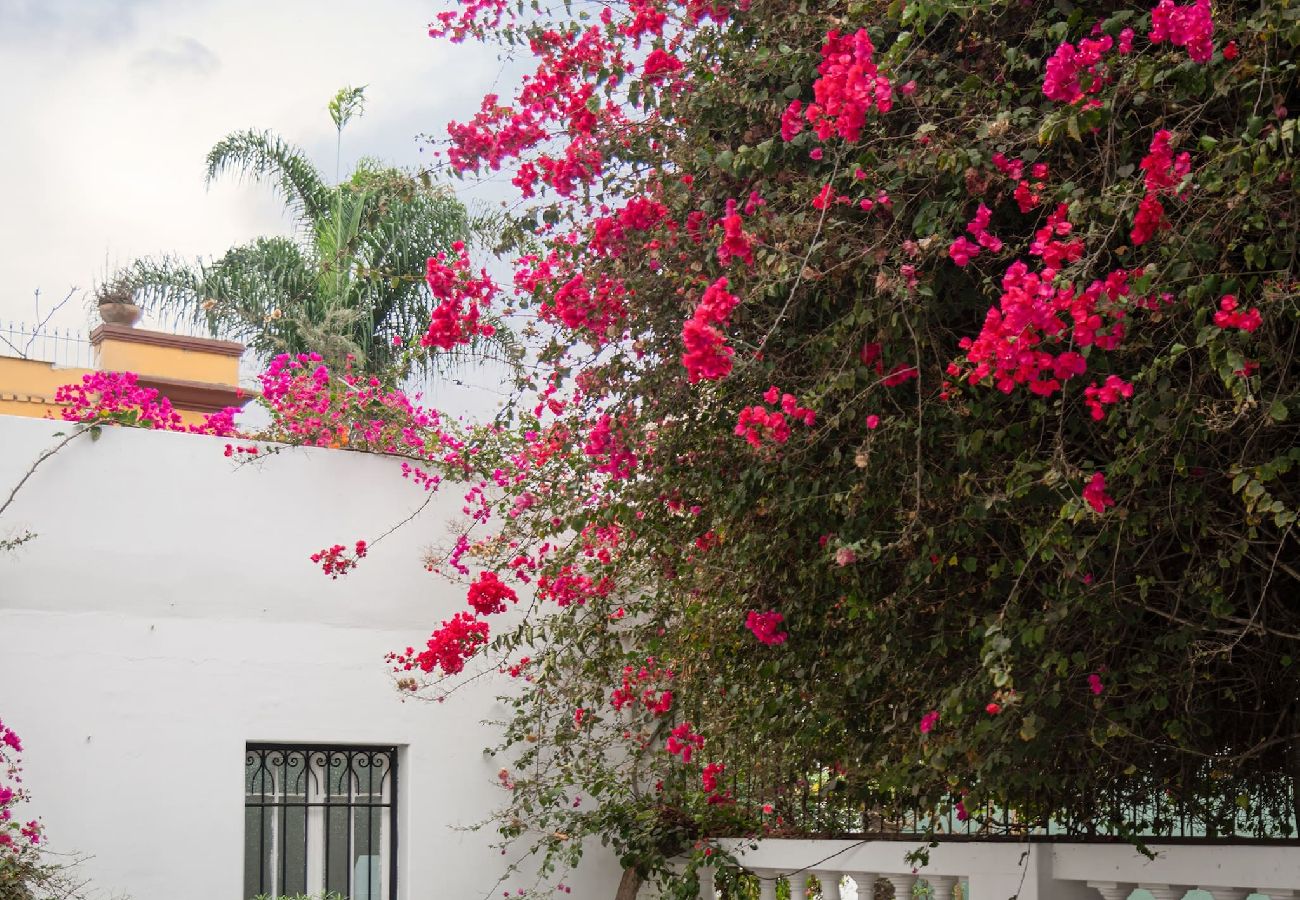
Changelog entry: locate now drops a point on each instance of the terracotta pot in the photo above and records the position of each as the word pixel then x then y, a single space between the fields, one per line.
pixel 119 313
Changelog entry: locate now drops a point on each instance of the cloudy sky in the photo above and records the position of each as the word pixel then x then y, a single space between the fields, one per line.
pixel 112 105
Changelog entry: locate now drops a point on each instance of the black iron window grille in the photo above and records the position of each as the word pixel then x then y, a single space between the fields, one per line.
pixel 320 819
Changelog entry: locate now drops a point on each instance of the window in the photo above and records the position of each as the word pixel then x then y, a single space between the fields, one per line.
pixel 320 818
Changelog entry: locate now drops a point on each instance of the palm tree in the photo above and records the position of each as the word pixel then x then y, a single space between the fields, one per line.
pixel 350 282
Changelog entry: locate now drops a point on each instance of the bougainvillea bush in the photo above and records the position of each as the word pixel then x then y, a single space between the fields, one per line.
pixel 20 840
pixel 914 430
pixel 920 418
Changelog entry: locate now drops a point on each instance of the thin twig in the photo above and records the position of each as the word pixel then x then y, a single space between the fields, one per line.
pixel 40 459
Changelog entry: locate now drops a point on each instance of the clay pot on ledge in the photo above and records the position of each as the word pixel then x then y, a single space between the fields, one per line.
pixel 117 307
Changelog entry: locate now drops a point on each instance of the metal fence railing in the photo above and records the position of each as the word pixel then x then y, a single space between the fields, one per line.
pixel 65 347
pixel 1259 807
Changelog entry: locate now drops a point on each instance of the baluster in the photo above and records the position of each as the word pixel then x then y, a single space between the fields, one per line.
pixel 766 884
pixel 1226 893
pixel 706 876
pixel 941 886
pixel 1165 891
pixel 903 885
pixel 866 882
pixel 830 882
pixel 798 885
pixel 1112 890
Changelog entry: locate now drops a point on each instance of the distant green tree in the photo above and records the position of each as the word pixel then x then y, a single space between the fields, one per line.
pixel 351 281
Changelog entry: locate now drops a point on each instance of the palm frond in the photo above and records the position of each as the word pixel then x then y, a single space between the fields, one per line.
pixel 349 284
pixel 262 155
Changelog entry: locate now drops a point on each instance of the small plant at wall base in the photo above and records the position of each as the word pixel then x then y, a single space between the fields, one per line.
pixel 19 841
pixel 26 871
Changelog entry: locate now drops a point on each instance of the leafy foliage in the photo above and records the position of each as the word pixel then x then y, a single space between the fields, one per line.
pixel 350 283
pixel 919 436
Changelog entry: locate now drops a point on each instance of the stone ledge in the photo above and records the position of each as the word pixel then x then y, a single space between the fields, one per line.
pixel 128 335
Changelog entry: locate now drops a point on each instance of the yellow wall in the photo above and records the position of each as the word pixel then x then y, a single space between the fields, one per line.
pixel 143 359
pixel 28 387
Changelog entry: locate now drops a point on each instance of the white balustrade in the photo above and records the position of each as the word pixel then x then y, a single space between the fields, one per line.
pixel 996 870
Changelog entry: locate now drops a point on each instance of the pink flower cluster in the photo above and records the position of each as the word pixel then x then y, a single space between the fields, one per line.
pixel 962 251
pixel 458 639
pixel 118 398
pixel 766 627
pixel 334 561
pixel 1188 26
pixel 757 423
pixel 605 446
pixel 558 100
pixel 848 87
pixel 1094 493
pixel 645 685
pixel 612 231
pixel 310 406
pixel 1061 81
pixel 488 594
pixel 736 244
pixel 1149 220
pixel 1028 195
pixel 1162 174
pixel 473 17
pixel 871 356
pixel 683 741
pixel 461 295
pixel 1163 171
pixel 707 355
pixel 1229 316
pixel 568 298
pixel 929 721
pixel 17 838
pixel 569 587
pixel 1111 391
pixel 659 65
pixel 709 781
pixel 1033 310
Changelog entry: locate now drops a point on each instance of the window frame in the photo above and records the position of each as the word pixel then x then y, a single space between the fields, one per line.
pixel 323 753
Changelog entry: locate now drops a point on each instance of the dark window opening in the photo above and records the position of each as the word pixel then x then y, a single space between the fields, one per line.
pixel 320 819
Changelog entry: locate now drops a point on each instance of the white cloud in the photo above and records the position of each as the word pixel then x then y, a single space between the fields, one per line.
pixel 119 101
pixel 178 57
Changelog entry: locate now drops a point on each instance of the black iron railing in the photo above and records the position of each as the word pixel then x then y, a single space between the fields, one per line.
pixel 1259 808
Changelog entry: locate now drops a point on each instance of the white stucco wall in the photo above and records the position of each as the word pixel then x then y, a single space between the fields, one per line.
pixel 167 614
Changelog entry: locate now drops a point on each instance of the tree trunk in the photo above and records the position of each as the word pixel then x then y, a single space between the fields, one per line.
pixel 629 885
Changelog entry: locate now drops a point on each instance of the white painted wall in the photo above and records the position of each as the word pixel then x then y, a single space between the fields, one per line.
pixel 167 614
